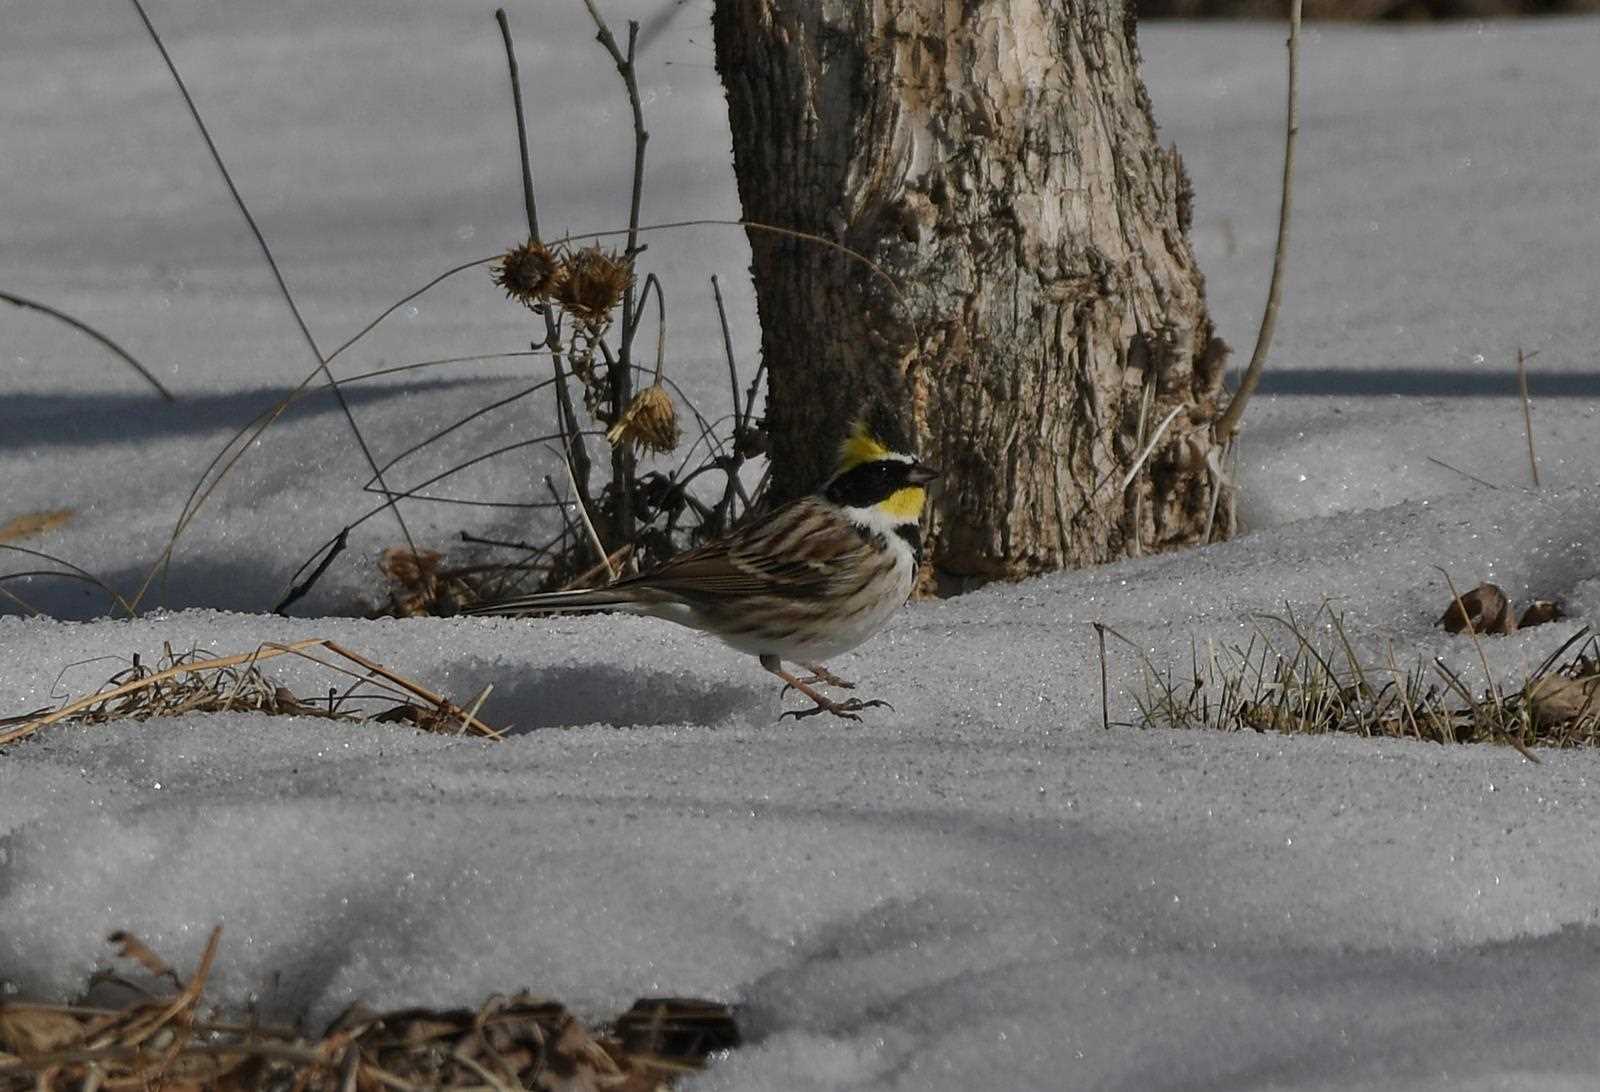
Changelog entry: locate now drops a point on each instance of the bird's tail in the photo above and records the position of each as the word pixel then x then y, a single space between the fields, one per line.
pixel 585 599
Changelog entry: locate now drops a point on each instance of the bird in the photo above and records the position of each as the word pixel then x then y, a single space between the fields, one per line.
pixel 801 584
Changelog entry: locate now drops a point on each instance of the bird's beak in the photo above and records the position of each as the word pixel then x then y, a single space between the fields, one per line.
pixel 921 474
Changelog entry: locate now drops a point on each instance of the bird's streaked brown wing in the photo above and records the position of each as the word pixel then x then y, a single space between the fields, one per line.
pixel 799 551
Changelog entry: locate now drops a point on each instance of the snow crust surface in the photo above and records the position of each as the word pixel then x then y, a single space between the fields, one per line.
pixel 980 888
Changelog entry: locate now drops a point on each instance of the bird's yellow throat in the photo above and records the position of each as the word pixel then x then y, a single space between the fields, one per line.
pixel 904 505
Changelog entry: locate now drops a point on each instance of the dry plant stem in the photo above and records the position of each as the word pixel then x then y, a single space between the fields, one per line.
pixel 770 229
pixel 1463 473
pixel 266 251
pixel 1105 699
pixel 1133 471
pixel 661 320
pixel 1527 413
pixel 594 537
pixel 461 422
pixel 724 511
pixel 577 454
pixel 671 225
pixel 75 573
pixel 1214 468
pixel 84 327
pixel 191 992
pixel 1228 423
pixel 201 491
pixel 640 136
pixel 522 126
pixel 621 378
pixel 27 607
pixel 608 565
pixel 415 492
pixel 297 591
pixel 470 713
pixel 401 302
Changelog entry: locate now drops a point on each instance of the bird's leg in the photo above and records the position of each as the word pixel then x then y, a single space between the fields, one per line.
pixel 820 674
pixel 845 709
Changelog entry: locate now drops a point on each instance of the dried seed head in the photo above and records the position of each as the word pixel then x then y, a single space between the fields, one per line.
pixel 650 422
pixel 410 569
pixel 592 284
pixel 529 272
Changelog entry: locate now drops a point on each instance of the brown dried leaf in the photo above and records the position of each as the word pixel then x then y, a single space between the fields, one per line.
pixel 33 523
pixel 30 1029
pixel 1539 612
pixel 1484 609
pixel 1559 699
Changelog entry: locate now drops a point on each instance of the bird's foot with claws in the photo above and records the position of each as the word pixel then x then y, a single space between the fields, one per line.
pixel 844 709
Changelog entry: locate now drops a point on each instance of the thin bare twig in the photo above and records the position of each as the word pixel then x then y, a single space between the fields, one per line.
pixel 621 378
pixel 522 126
pixel 1105 699
pixel 298 591
pixel 651 281
pixel 576 452
pixel 84 327
pixel 1228 423
pixel 722 515
pixel 727 350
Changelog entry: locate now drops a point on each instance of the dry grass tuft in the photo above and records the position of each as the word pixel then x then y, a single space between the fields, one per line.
pixel 1316 683
pixel 522 1042
pixel 196 682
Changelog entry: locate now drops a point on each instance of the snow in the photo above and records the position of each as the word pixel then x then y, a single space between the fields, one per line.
pixel 980 888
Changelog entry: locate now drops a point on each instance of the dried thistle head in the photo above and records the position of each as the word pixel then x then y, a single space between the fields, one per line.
pixel 411 569
pixel 529 272
pixel 592 284
pixel 420 585
pixel 650 422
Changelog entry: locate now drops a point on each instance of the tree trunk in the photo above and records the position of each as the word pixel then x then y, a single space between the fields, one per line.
pixel 997 161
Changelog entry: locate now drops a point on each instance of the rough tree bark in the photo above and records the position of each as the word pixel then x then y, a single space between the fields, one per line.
pixel 999 162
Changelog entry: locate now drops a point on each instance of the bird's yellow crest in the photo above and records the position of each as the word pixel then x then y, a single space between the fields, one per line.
pixel 860 447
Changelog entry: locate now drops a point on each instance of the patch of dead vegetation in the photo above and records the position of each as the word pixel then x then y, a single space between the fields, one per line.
pixel 162 1043
pixel 197 682
pixel 1315 682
